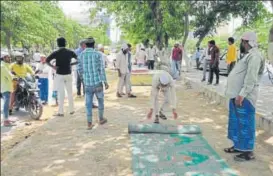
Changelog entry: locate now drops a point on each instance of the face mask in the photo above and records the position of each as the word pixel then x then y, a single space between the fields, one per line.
pixel 242 48
pixel 20 62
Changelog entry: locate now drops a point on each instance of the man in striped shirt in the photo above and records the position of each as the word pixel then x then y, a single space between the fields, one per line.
pixel 91 70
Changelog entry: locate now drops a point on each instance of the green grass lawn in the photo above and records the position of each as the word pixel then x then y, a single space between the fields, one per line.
pixel 141 80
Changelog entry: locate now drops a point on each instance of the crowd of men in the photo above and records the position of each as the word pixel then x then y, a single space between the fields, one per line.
pixel 242 82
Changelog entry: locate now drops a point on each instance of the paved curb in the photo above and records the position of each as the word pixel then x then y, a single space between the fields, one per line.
pixel 263 121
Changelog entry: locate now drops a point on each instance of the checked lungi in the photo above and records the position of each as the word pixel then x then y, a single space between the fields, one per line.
pixel 241 125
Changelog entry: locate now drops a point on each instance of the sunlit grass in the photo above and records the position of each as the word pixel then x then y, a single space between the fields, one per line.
pixel 141 80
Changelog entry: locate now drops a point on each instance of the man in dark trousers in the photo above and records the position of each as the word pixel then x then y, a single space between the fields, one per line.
pixel 214 62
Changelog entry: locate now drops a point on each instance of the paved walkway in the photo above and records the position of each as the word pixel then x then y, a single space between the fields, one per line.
pixel 63 147
pixel 265 100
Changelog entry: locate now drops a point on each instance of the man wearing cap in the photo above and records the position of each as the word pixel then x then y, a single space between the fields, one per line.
pixel 123 71
pixel 162 82
pixel 92 71
pixel 242 89
pixel 42 70
pixel 6 86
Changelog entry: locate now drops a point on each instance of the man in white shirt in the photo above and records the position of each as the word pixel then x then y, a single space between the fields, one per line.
pixel 162 82
pixel 104 56
pixel 141 57
pixel 123 71
pixel 206 57
pixel 151 54
pixel 42 70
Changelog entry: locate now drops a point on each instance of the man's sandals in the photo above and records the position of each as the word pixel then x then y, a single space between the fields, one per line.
pixel 162 116
pixel 90 125
pixel 243 156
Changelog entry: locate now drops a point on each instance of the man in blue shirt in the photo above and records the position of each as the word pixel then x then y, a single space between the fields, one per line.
pixel 79 80
pixel 92 72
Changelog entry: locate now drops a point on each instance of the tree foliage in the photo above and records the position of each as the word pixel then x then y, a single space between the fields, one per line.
pixel 39 23
pixel 161 20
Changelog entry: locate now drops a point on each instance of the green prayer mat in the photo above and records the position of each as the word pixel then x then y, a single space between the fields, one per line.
pixel 174 151
pixel 141 79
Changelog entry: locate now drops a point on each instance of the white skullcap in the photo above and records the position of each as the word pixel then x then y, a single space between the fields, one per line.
pixel 100 46
pixel 124 46
pixel 37 56
pixel 42 55
pixel 164 79
pixel 251 37
pixel 4 54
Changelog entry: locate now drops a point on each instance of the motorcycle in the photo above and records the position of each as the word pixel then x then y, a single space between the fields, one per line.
pixel 27 96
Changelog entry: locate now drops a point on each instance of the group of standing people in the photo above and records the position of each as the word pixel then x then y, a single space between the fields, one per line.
pixel 211 56
pixel 146 57
pixel 91 75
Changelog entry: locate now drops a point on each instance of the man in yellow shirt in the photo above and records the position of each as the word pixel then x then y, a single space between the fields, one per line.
pixel 6 86
pixel 231 54
pixel 19 69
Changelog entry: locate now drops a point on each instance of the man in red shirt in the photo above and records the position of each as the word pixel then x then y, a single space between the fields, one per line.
pixel 214 62
pixel 176 61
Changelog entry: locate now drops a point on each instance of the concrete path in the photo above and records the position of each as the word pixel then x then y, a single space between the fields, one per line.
pixel 265 100
pixel 63 146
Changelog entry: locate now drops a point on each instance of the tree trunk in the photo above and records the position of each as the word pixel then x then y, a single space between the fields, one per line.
pixel 166 40
pixel 200 41
pixel 186 30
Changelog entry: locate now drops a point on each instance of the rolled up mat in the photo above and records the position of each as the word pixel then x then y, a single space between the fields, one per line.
pixel 164 129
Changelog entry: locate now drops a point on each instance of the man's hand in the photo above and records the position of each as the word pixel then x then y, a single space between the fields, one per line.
pixel 106 85
pixel 149 116
pixel 239 100
pixel 175 114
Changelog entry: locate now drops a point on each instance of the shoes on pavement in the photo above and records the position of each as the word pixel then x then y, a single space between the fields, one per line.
pixel 58 115
pixel 131 96
pixel 73 112
pixel 103 121
pixel 156 119
pixel 203 80
pixel 245 156
pixel 216 84
pixel 209 83
pixel 162 116
pixel 118 95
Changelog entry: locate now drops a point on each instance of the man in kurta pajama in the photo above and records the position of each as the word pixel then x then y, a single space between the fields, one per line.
pixel 162 82
pixel 242 89
pixel 123 72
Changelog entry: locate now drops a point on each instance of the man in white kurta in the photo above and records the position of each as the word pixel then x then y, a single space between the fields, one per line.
pixel 123 71
pixel 162 82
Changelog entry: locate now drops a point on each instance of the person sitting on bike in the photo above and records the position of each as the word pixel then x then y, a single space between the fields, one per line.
pixel 20 70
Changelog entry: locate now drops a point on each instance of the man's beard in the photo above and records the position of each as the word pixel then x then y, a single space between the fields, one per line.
pixel 20 63
pixel 242 49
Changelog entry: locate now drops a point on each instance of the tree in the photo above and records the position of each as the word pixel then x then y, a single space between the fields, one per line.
pixel 141 20
pixel 39 23
pixel 210 14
